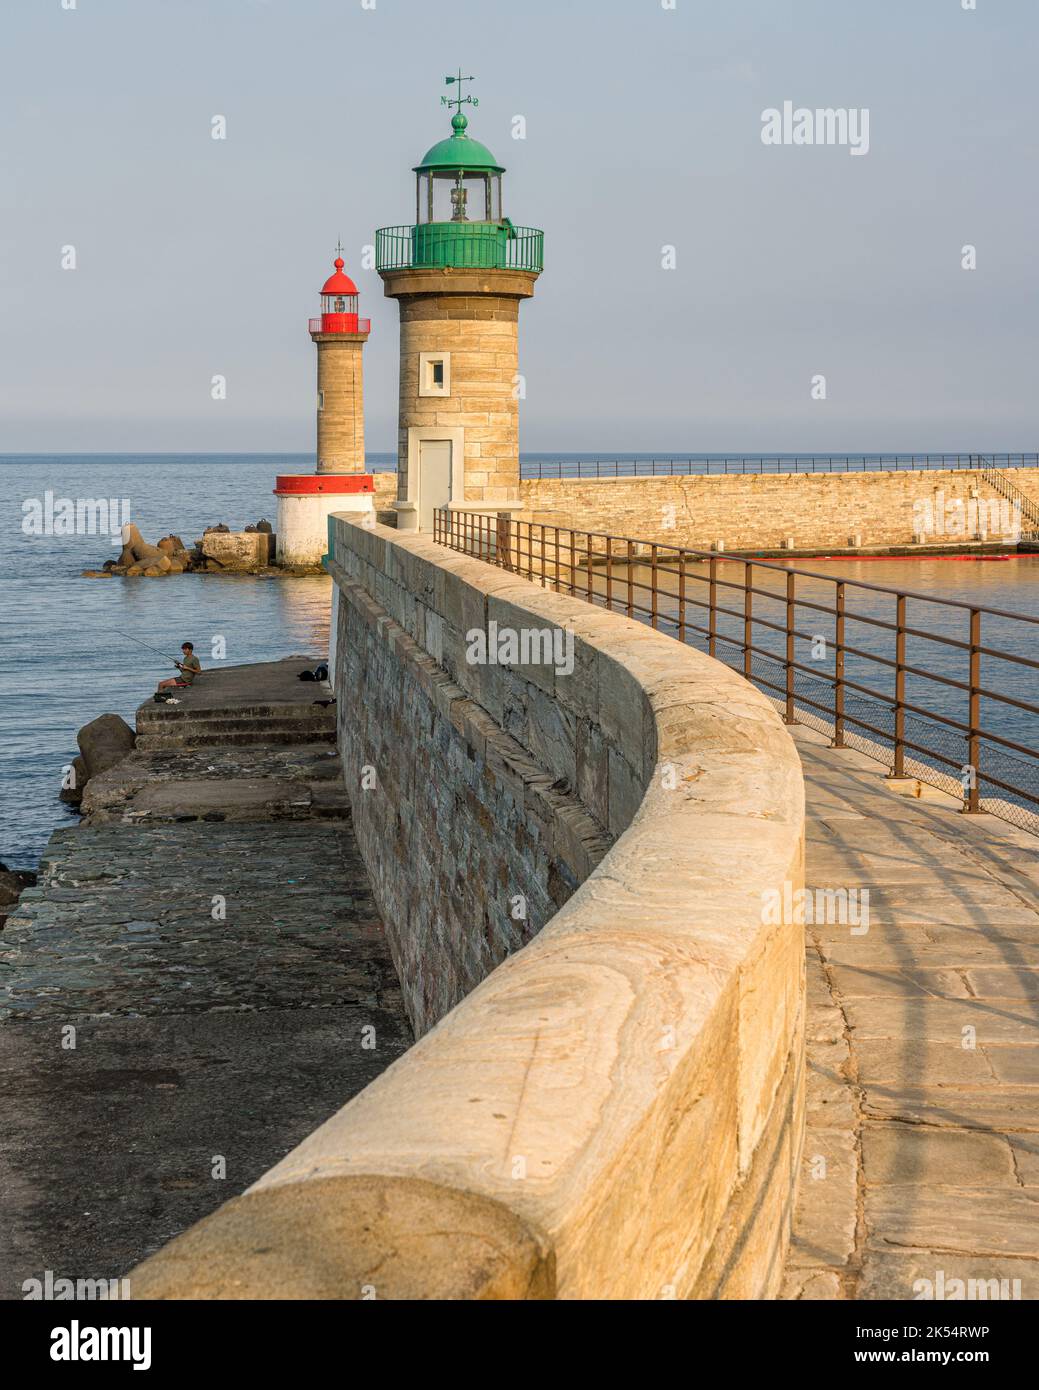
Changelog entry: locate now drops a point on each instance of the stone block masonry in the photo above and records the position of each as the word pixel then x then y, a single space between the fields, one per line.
pixel 340 416
pixel 385 496
pixel 239 550
pixel 464 828
pixel 481 335
pixel 816 511
pixel 467 322
pixel 613 1109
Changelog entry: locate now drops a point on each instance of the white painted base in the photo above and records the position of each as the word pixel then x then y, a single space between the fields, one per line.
pixel 303 523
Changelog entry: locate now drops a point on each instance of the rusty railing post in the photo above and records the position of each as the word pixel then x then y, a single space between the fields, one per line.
pixel 654 605
pixel 609 572
pixel 681 595
pixel 973 797
pixel 791 623
pixel 505 540
pixel 748 620
pixel 898 770
pixel 838 670
pixel 712 611
pixel 631 579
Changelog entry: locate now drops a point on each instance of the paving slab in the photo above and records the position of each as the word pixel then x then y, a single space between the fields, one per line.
pixel 908 1155
pixel 932 1275
pixel 941 1020
pixel 923 1046
pixel 971 1220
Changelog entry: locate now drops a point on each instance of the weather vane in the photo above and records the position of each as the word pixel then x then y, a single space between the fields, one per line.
pixel 339 248
pixel 459 100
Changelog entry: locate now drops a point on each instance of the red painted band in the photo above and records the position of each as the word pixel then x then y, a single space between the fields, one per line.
pixel 307 484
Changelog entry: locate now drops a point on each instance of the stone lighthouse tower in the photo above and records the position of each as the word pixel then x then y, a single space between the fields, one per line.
pixel 459 274
pixel 341 482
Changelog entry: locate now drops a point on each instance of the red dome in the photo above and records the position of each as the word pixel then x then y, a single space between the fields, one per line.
pixel 339 283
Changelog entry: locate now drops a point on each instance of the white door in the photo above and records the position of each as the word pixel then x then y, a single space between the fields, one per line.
pixel 434 479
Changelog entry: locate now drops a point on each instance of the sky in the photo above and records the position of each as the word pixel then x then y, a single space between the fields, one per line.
pixel 197 257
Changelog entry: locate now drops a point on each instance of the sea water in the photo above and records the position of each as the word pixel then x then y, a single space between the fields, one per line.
pixel 64 660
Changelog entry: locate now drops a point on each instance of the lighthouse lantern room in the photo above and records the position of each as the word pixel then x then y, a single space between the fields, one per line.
pixel 339 305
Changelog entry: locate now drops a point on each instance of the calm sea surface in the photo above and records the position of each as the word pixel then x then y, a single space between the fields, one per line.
pixel 63 660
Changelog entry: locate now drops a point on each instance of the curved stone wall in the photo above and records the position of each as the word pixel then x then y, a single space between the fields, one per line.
pixel 614 1110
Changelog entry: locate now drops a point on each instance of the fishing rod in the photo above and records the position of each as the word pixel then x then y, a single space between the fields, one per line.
pixel 149 647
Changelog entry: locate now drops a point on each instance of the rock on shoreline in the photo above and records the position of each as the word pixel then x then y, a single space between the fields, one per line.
pixel 220 551
pixel 103 743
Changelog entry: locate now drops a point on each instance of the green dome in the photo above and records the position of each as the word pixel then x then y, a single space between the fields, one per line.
pixel 460 151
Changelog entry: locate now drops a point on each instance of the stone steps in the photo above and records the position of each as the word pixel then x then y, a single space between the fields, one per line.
pixel 164 714
pixel 295 725
pixel 197 737
pixel 239 706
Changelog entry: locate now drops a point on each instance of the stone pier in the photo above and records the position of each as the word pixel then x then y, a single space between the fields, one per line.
pixel 921 1159
pixel 200 979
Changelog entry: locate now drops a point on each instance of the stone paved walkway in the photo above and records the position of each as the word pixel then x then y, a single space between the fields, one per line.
pixel 205 1046
pixel 922 1149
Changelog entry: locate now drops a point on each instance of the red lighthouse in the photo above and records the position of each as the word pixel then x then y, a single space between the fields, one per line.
pixel 341 481
pixel 339 305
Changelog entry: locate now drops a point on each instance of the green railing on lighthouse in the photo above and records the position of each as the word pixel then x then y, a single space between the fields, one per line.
pixel 460 245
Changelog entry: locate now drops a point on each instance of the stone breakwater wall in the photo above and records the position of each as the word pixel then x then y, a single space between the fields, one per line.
pixel 817 511
pixel 616 1109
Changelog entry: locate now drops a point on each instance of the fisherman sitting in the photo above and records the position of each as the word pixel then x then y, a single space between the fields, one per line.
pixel 188 668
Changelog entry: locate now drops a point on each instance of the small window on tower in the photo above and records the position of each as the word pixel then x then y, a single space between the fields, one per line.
pixel 321 400
pixel 434 374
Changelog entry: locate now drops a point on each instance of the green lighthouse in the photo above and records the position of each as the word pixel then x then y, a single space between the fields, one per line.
pixel 459 274
pixel 459 218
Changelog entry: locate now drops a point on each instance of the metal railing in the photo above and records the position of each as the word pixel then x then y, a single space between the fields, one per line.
pixel 447 244
pixel 679 465
pixel 1027 511
pixel 363 326
pixel 916 682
